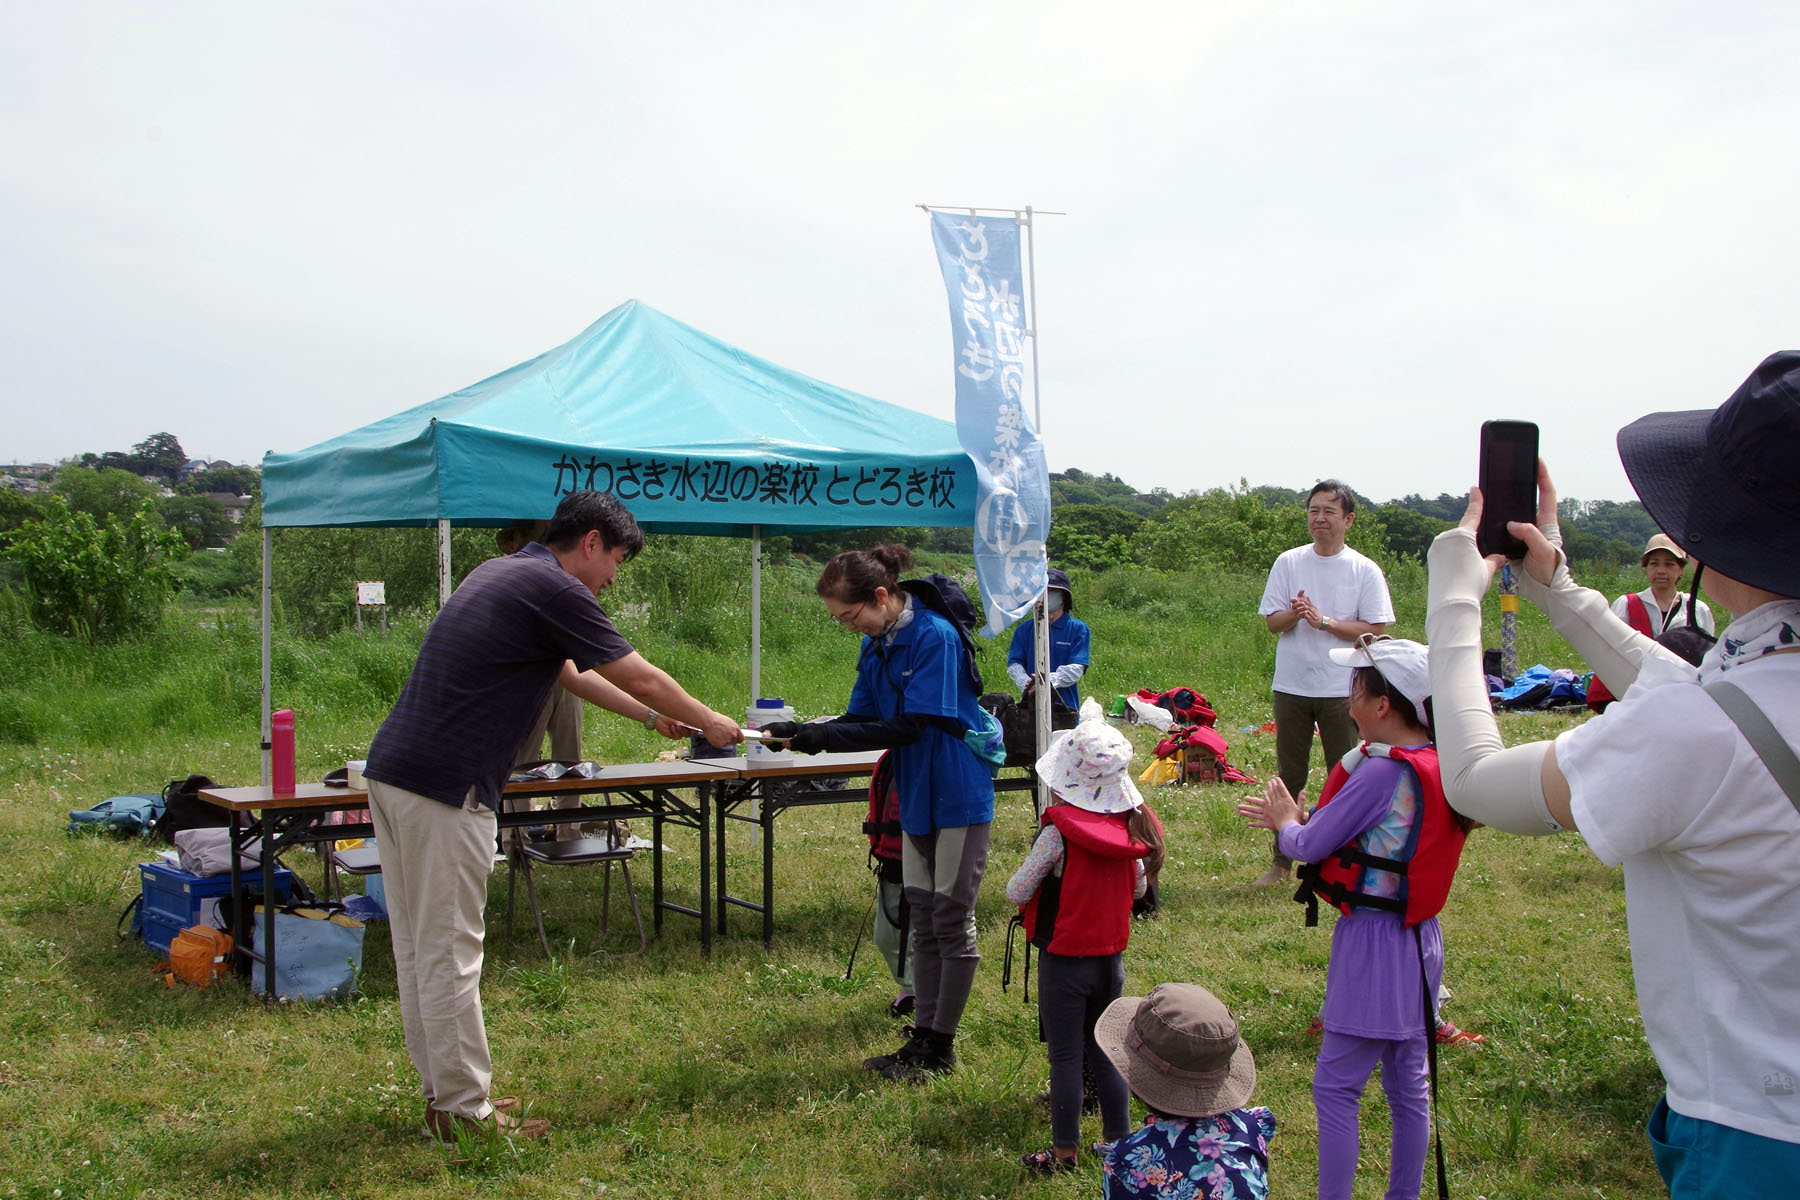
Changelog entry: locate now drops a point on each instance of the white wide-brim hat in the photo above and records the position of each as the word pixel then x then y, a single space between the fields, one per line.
pixel 1089 766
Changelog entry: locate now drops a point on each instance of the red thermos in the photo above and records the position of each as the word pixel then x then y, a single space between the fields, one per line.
pixel 281 750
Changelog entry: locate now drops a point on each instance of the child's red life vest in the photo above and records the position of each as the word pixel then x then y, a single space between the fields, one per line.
pixel 1428 867
pixel 883 824
pixel 1638 617
pixel 1086 912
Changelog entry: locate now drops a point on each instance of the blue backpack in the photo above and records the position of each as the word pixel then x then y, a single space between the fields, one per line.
pixel 137 813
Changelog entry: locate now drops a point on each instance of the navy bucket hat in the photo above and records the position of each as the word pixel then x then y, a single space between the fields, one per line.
pixel 1060 582
pixel 1723 481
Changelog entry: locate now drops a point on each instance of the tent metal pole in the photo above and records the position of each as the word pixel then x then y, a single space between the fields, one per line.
pixel 268 592
pixel 1041 626
pixel 755 611
pixel 443 561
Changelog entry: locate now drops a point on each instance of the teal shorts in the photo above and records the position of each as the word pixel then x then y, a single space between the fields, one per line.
pixel 1703 1160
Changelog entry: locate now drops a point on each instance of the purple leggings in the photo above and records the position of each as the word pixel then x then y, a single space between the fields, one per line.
pixel 1343 1069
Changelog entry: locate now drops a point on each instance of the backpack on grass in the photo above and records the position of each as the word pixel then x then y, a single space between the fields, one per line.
pixel 137 813
pixel 184 809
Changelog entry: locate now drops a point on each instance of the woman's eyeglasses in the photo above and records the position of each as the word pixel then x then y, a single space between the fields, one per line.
pixel 848 615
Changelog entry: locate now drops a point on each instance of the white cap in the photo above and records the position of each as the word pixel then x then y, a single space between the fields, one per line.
pixel 1402 663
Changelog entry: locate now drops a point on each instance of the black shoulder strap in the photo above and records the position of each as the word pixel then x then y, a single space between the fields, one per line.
pixel 1769 745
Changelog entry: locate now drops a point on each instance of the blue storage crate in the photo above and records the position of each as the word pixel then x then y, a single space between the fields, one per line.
pixel 173 899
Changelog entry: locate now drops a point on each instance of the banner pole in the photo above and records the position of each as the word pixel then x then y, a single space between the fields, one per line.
pixel 1041 617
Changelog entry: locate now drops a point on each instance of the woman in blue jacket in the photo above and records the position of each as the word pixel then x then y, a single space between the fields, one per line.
pixel 915 693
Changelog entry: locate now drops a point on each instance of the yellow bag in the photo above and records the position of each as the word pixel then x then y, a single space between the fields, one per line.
pixel 198 955
pixel 1161 771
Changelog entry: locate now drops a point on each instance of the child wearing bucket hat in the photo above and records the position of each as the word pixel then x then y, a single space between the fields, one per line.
pixel 1711 851
pixel 1075 890
pixel 1179 1052
pixel 1382 845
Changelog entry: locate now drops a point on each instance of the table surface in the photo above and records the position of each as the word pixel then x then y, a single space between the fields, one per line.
pixel 840 762
pixel 623 775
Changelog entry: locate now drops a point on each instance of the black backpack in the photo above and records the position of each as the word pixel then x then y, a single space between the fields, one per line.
pixel 944 596
pixel 1018 723
pixel 184 809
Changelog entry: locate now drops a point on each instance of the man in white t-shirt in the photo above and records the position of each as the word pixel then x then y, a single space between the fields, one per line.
pixel 1318 596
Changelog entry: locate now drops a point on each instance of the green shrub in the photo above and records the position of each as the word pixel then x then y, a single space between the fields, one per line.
pixel 96 581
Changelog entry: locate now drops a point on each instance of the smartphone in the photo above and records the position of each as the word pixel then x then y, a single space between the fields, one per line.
pixel 1508 480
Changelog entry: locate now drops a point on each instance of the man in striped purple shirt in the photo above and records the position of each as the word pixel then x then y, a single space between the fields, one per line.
pixel 515 628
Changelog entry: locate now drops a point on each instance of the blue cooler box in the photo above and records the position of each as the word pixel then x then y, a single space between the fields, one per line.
pixel 173 899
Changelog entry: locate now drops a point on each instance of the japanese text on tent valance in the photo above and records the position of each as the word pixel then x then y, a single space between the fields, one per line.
pixel 722 481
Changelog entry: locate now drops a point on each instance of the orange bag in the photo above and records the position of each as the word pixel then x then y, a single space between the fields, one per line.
pixel 198 955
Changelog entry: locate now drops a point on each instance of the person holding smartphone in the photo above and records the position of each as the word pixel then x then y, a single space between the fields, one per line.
pixel 1319 596
pixel 1711 851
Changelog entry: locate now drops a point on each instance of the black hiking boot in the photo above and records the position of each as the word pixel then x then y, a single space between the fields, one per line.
pixel 929 1053
pixel 881 1064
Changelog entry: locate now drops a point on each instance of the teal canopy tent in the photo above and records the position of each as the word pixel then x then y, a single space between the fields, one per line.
pixel 694 435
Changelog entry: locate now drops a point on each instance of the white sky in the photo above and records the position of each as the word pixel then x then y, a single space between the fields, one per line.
pixel 1303 238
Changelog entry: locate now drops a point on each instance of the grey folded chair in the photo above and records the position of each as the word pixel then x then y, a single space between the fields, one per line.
pixel 606 851
pixel 360 861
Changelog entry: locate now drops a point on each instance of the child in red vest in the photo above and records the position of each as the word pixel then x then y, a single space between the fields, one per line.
pixel 1075 890
pixel 1384 845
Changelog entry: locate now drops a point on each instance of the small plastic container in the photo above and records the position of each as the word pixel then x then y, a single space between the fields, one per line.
pixel 174 899
pixel 766 711
pixel 281 751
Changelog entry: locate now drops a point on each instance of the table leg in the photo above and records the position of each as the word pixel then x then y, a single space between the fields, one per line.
pixel 720 810
pixel 656 866
pixel 705 792
pixel 266 854
pixel 768 849
pixel 240 920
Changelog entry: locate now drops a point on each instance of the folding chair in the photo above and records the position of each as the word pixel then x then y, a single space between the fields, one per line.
pixel 606 851
pixel 363 860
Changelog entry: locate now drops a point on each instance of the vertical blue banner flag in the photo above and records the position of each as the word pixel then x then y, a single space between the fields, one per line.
pixel 980 261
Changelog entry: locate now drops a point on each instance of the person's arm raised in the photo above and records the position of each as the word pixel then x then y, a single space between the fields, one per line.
pixel 1518 790
pixel 1582 616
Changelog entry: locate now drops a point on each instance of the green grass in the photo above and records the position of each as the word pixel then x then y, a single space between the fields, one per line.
pixel 669 1074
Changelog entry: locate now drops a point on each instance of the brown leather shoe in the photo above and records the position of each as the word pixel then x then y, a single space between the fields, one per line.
pixel 1270 877
pixel 448 1127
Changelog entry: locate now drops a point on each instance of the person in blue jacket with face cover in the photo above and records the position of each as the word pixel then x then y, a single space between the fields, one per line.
pixel 1068 644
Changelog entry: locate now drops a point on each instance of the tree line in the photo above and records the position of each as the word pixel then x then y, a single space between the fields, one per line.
pixel 1102 521
pixel 102 552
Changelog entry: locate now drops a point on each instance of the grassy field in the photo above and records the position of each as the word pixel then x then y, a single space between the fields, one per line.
pixel 736 1076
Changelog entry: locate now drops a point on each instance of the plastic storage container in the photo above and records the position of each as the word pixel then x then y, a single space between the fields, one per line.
pixel 173 899
pixel 766 711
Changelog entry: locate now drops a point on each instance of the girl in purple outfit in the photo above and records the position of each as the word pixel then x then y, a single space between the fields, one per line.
pixel 1384 846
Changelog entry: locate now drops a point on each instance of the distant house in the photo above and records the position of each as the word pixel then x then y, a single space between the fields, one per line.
pixel 234 505
pixel 195 466
pixel 217 464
